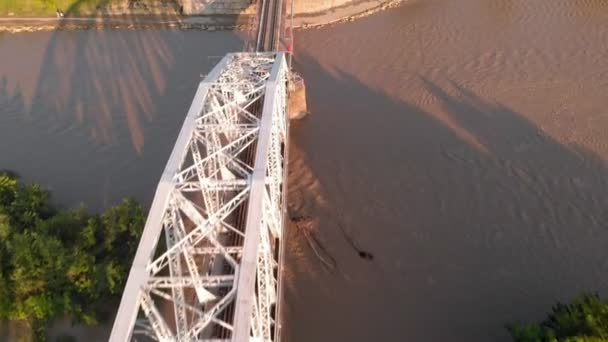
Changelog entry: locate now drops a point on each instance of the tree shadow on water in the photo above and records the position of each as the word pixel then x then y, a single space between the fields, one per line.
pixel 106 105
pixel 10 100
pixel 475 216
pixel 75 80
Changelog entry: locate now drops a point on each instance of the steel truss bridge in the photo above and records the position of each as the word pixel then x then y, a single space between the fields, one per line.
pixel 207 265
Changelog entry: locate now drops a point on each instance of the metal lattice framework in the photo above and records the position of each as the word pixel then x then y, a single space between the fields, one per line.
pixel 206 265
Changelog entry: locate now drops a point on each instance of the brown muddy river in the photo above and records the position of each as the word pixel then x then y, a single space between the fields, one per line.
pixel 464 145
pixel 460 146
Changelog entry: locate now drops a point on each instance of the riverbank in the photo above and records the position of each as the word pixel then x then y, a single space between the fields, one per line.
pixel 135 20
pixel 38 8
pixel 347 12
pixel 126 22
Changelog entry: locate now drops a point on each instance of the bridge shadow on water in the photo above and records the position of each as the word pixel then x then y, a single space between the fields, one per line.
pixel 95 112
pixel 474 215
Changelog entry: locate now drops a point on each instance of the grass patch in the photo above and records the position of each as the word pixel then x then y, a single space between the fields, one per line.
pixel 48 7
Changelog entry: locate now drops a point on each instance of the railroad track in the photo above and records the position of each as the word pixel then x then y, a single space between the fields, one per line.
pixel 267 40
pixel 269 25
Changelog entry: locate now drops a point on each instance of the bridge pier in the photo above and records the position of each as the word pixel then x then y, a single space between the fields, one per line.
pixel 297 107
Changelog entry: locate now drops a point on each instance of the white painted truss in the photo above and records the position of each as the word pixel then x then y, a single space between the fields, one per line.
pixel 206 266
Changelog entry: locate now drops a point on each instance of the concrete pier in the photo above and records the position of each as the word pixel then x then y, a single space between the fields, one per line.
pixel 297 107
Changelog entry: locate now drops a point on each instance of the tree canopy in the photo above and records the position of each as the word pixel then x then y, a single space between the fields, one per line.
pixel 61 263
pixel 583 320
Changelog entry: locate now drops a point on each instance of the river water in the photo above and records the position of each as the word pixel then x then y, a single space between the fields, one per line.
pixel 459 146
pixel 464 145
pixel 94 115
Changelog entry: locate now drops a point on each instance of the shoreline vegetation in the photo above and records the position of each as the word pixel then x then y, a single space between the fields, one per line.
pixel 61 263
pixel 585 319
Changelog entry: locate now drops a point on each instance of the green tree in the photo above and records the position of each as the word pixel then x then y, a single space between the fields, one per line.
pixel 122 227
pixel 38 267
pixel 29 205
pixel 5 262
pixel 583 320
pixel 56 263
pixel 8 189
